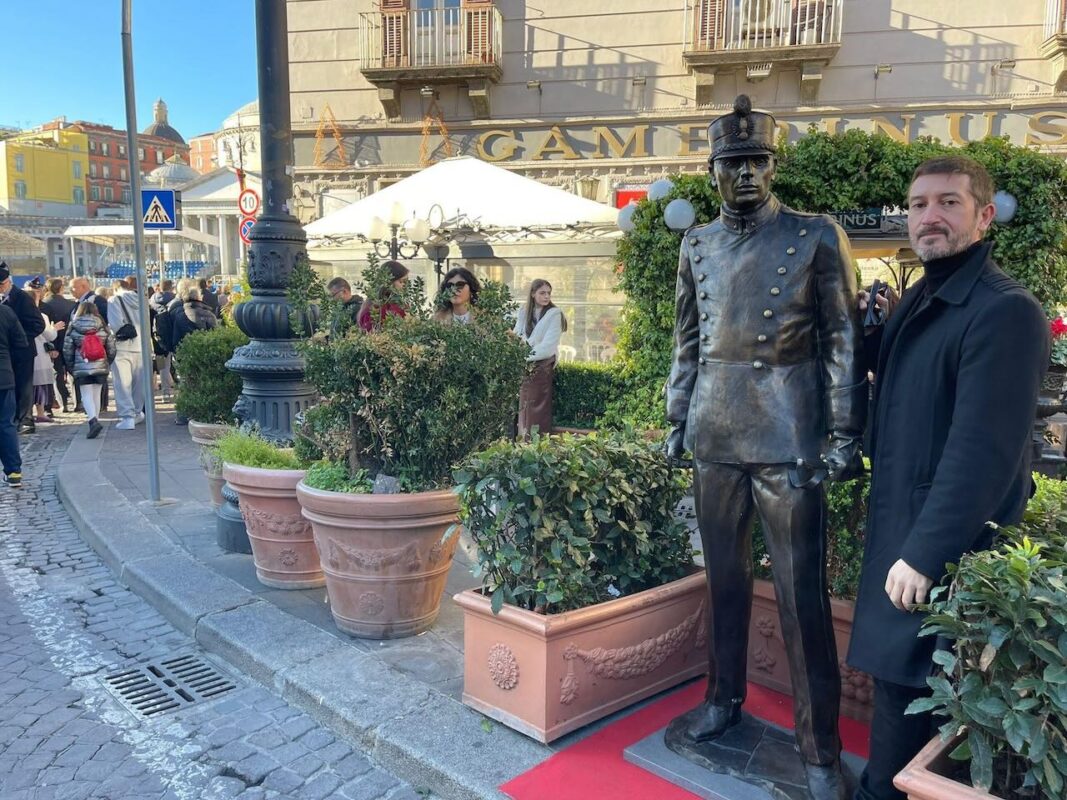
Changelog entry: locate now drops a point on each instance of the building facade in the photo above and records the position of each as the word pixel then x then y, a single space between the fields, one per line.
pixel 202 153
pixel 44 172
pixel 605 100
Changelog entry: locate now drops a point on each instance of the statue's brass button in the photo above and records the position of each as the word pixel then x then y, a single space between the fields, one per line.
pixel 775 291
pixel 781 270
pixel 704 317
pixel 701 277
pixel 703 360
pixel 692 241
pixel 703 295
pixel 705 337
pixel 803 232
pixel 757 365
pixel 768 313
pixel 792 251
pixel 761 338
pixel 696 258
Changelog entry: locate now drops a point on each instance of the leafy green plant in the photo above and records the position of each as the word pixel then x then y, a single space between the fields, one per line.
pixel 323 433
pixel 208 390
pixel 564 522
pixel 333 476
pixel 248 449
pixel 1005 686
pixel 817 174
pixel 581 392
pixel 846 523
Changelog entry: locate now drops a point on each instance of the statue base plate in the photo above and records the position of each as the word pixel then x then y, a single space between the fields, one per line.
pixel 751 761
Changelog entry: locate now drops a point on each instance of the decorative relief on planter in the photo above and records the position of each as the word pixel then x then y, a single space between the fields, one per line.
pixel 856 685
pixel 763 659
pixel 346 557
pixel 766 627
pixel 371 604
pixel 503 668
pixel 265 524
pixel 634 661
pixel 288 557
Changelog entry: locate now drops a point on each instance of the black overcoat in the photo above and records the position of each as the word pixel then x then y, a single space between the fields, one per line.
pixel 956 388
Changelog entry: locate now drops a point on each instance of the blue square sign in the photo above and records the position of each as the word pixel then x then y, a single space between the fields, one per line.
pixel 162 209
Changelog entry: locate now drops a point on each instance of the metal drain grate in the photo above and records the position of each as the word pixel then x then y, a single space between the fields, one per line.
pixel 167 685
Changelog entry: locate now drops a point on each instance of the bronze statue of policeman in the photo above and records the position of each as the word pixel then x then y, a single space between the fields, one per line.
pixel 768 392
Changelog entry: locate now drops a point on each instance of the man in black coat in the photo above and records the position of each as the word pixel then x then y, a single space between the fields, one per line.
pixel 12 340
pixel 956 384
pixel 59 309
pixel 22 358
pixel 341 290
pixel 83 292
pixel 208 297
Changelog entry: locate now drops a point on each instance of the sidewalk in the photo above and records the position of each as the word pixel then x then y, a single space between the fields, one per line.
pixel 399 700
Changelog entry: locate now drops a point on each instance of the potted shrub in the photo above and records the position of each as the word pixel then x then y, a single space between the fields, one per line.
pixel 265 478
pixel 207 393
pixel 1004 688
pixel 590 600
pixel 401 405
pixel 846 511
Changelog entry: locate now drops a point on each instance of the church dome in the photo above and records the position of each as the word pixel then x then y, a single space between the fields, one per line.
pixel 247 116
pixel 174 172
pixel 160 127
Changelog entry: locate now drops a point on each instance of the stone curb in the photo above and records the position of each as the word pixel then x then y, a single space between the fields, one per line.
pixel 420 735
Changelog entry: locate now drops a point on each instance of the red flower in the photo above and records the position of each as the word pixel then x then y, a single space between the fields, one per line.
pixel 1059 328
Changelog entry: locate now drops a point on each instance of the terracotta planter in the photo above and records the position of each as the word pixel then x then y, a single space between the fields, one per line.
pixel 283 548
pixel 385 557
pixel 547 675
pixel 768 665
pixel 205 434
pixel 924 777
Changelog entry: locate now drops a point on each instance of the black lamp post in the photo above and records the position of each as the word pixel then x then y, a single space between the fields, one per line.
pixel 270 366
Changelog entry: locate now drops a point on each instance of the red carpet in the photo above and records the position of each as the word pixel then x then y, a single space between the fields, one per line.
pixel 594 768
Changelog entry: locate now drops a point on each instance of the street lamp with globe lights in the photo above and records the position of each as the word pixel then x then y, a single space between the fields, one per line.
pixel 678 215
pixel 384 235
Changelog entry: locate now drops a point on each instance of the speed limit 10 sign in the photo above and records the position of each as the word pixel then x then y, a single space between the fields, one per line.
pixel 248 202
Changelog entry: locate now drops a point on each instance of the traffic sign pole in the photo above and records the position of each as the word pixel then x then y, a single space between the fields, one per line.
pixel 138 245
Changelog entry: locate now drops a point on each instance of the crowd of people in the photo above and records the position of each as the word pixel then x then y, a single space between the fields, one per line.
pixel 67 348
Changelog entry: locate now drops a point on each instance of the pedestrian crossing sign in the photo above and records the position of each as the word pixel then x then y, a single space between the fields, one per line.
pixel 162 209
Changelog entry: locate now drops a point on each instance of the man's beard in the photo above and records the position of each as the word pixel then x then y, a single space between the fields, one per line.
pixel 950 245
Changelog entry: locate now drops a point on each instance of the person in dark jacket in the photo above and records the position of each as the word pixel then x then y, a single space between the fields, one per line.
pixel 193 316
pixel 956 383
pixel 22 359
pixel 81 290
pixel 59 308
pixel 341 290
pixel 12 340
pixel 208 297
pixel 89 373
pixel 161 333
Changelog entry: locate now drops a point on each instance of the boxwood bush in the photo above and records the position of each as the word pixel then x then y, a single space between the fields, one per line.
pixel 582 392
pixel 207 390
pixel 564 522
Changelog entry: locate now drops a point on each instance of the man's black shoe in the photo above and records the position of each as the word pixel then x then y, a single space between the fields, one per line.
pixel 180 420
pixel 94 428
pixel 26 427
pixel 712 721
pixel 827 782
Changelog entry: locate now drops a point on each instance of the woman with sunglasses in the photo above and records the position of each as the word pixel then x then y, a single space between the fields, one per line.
pixel 457 296
pixel 373 314
pixel 540 325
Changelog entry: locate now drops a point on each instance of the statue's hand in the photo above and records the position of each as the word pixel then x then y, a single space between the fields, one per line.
pixel 674 447
pixel 842 458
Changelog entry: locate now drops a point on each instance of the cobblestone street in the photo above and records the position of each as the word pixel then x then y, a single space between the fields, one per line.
pixel 66 624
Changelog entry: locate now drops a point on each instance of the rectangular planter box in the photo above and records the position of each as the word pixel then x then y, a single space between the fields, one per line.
pixel 547 675
pixel 768 665
pixel 923 778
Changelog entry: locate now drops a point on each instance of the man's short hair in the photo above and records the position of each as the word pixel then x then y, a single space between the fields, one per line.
pixel 338 285
pixel 167 285
pixel 202 283
pixel 55 286
pixel 981 183
pixel 190 294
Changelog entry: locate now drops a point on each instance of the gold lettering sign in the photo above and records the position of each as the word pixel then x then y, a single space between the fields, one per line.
pixel 694 138
pixel 955 127
pixel 832 125
pixel 638 141
pixel 556 142
pixel 1038 124
pixel 506 149
pixel 902 135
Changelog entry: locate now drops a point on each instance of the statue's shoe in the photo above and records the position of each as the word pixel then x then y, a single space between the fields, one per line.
pixel 827 782
pixel 711 721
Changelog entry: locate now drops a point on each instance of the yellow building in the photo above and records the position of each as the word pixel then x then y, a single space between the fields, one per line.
pixel 43 173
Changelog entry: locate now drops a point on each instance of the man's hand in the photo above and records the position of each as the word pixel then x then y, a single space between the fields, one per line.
pixel 842 458
pixel 674 447
pixel 906 587
pixel 887 302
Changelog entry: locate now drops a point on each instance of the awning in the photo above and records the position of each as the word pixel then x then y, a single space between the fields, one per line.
pixel 109 235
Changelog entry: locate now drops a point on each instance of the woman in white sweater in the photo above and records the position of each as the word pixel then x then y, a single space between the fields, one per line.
pixel 540 324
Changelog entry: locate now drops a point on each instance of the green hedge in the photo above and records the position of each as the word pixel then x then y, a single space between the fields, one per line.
pixel 207 390
pixel 582 392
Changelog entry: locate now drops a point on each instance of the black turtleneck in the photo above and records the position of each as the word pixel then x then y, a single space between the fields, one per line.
pixel 938 270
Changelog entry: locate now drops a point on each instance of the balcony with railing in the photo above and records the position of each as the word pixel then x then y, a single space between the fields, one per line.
pixel 1055 46
pixel 758 34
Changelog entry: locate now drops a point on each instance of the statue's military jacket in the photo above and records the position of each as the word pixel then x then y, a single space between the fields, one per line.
pixel 768 342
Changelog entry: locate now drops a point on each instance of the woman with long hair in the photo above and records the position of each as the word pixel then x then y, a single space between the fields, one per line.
pixel 44 374
pixel 540 325
pixel 374 313
pixel 89 348
pixel 457 297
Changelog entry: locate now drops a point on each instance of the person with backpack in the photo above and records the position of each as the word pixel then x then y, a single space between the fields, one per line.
pixel 127 370
pixel 89 347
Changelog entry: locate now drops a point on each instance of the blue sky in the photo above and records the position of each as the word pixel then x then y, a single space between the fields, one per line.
pixel 64 57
